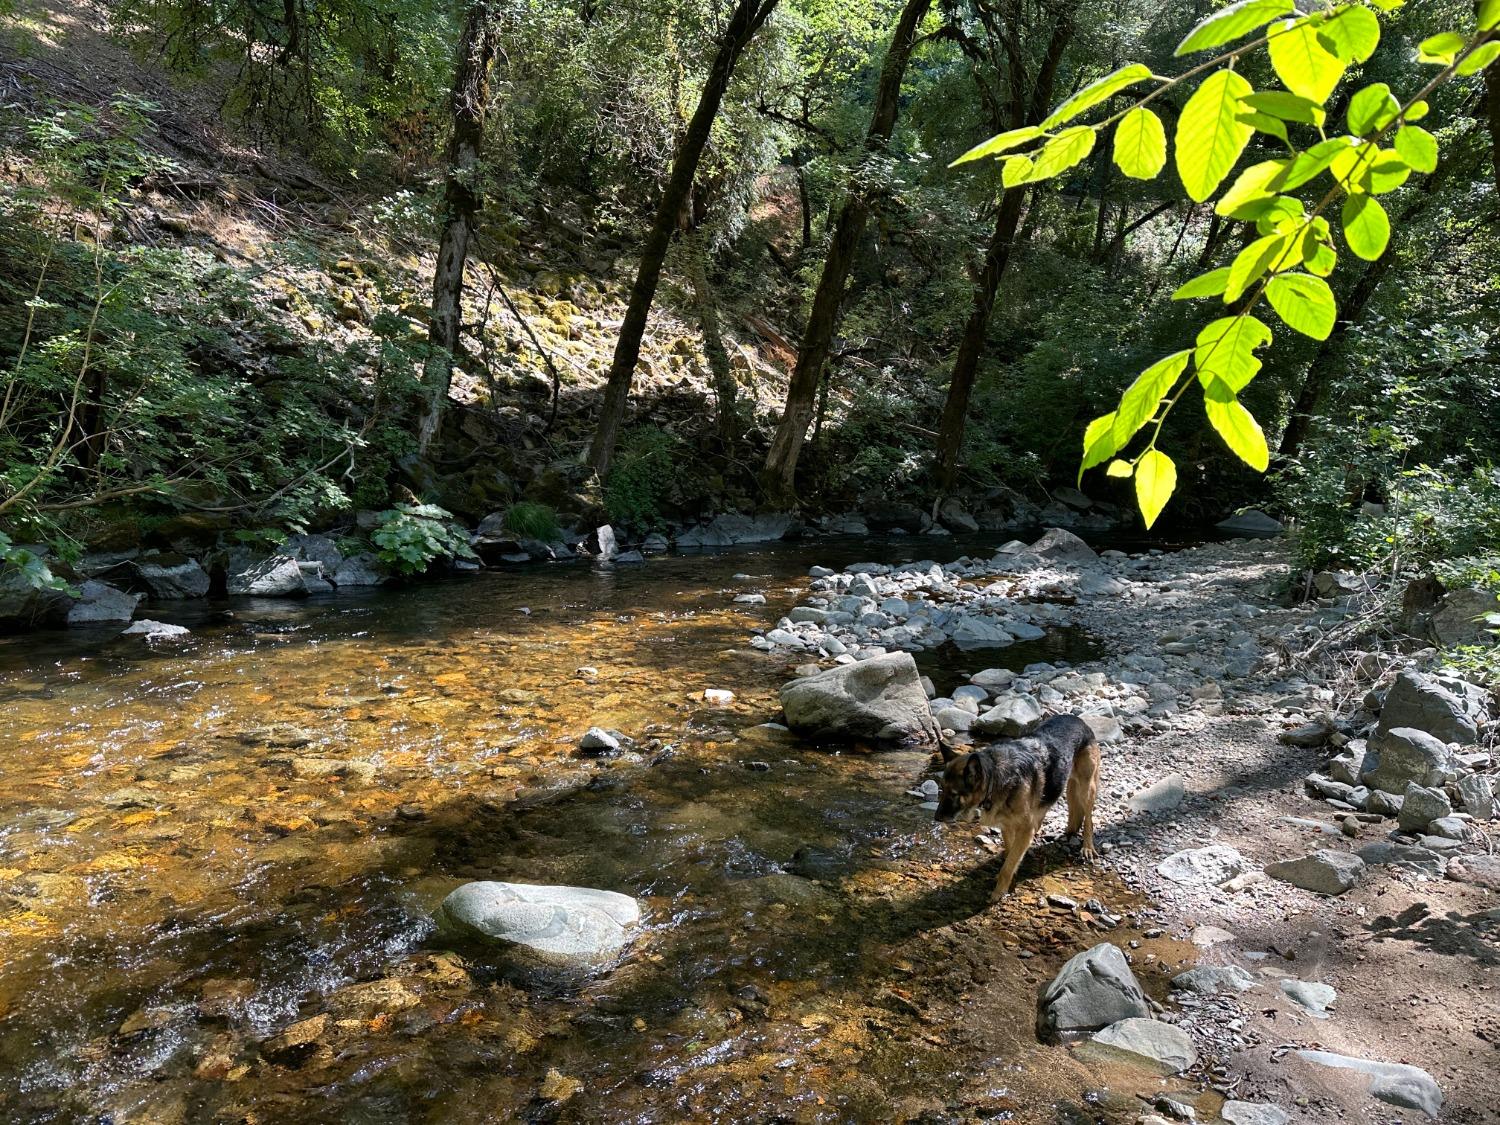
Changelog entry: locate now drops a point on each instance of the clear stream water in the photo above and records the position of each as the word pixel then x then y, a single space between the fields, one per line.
pixel 201 848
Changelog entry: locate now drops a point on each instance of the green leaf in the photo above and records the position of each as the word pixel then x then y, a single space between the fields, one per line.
pixel 1351 166
pixel 1209 284
pixel 1353 32
pixel 1123 469
pixel 1265 123
pixel 1238 427
pixel 1142 397
pixel 1096 92
pixel 1225 350
pixel 1140 144
pixel 1387 172
pixel 1481 57
pixel 1098 443
pixel 1418 147
pixel 1062 152
pixel 1210 136
pixel 1251 262
pixel 1366 227
pixel 1016 171
pixel 1301 62
pixel 1372 109
pixel 1440 49
pixel 1288 107
pixel 1155 481
pixel 1250 185
pixel 1002 142
pixel 1306 165
pixel 1304 303
pixel 1230 23
pixel 1489 15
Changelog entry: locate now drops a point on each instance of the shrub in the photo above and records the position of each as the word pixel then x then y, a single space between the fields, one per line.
pixel 529 520
pixel 410 537
pixel 643 476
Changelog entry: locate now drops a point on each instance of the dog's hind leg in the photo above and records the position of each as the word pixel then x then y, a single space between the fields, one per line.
pixel 1083 788
pixel 1017 831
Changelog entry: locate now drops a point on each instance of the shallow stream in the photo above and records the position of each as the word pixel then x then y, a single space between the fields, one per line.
pixel 202 847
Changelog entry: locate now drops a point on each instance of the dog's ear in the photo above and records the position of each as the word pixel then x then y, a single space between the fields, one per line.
pixel 947 752
pixel 974 769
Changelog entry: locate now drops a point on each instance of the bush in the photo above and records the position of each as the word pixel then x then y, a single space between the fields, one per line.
pixel 644 476
pixel 528 520
pixel 410 537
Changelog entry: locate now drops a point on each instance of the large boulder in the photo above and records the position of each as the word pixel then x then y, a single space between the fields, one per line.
pixel 732 528
pixel 24 603
pixel 974 630
pixel 364 569
pixel 1447 708
pixel 166 577
pixel 1399 757
pixel 1011 716
pixel 1324 872
pixel 1394 1083
pixel 1093 990
pixel 1468 616
pixel 276 577
pixel 1062 546
pixel 99 602
pixel 879 700
pixel 549 927
pixel 1421 806
pixel 314 548
pixel 1252 524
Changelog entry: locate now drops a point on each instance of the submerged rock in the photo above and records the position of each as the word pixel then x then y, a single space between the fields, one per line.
pixel 1093 990
pixel 880 699
pixel 553 927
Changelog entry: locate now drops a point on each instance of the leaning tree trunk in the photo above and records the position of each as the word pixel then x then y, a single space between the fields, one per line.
pixel 461 202
pixel 817 336
pixel 720 371
pixel 1007 219
pixel 743 24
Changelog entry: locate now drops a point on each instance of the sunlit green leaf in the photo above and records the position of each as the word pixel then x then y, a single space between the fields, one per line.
pixel 1304 303
pixel 1440 49
pixel 1251 263
pixel 1225 350
pixel 1140 144
pixel 1418 147
pixel 1096 92
pixel 1121 469
pixel 1250 185
pixel 1210 136
pixel 1209 284
pixel 1230 23
pixel 1002 142
pixel 1098 443
pixel 1372 109
pixel 1016 171
pixel 1238 427
pixel 1288 107
pixel 1480 58
pixel 1306 165
pixel 1366 227
pixel 1488 15
pixel 1063 152
pixel 1354 33
pixel 1142 397
pixel 1265 123
pixel 1387 172
pixel 1302 63
pixel 1155 481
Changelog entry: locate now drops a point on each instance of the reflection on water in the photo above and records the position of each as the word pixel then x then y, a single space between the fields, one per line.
pixel 201 849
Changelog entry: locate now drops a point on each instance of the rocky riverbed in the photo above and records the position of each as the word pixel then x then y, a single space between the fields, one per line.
pixel 1318 830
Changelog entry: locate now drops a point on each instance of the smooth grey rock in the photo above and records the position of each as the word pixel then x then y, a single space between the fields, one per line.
pixel 1252 524
pixel 1058 545
pixel 1383 803
pixel 276 577
pixel 1315 996
pixel 1165 1047
pixel 1466 617
pixel 1477 793
pixel 1448 709
pixel 879 699
pixel 1420 806
pixel 732 528
pixel 101 602
pixel 167 577
pixel 1325 872
pixel 549 926
pixel 1449 827
pixel 1481 870
pixel 1160 796
pixel 993 678
pixel 954 719
pixel 314 548
pixel 1400 755
pixel 1011 716
pixel 1106 728
pixel 597 740
pixel 1253 1113
pixel 977 631
pixel 1210 980
pixel 1208 866
pixel 157 632
pixel 760 599
pixel 1419 859
pixel 1308 735
pixel 363 569
pixel 655 544
pixel 1093 990
pixel 1394 1083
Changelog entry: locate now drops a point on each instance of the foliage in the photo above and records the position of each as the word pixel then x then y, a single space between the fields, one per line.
pixel 411 537
pixel 1295 249
pixel 531 520
pixel 646 473
pixel 32 567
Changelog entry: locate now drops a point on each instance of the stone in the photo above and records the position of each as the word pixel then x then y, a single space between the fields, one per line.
pixel 1450 710
pixel 1160 796
pixel 100 602
pixel 1466 616
pixel 1396 757
pixel 719 697
pixel 1165 1047
pixel 1093 990
pixel 1308 735
pixel 655 543
pixel 1011 716
pixel 1382 803
pixel 973 631
pixel 1070 496
pixel 1252 524
pixel 1393 1083
pixel 551 927
pixel 879 699
pixel 1211 980
pixel 598 741
pixel 1324 872
pixel 1253 1113
pixel 757 599
pixel 1106 728
pixel 157 632
pixel 732 528
pixel 314 548
pixel 812 862
pixel 276 577
pixel 1058 545
pixel 993 678
pixel 1477 793
pixel 1449 827
pixel 602 543
pixel 363 569
pixel 167 577
pixel 1314 996
pixel 954 719
pixel 1418 859
pixel 1481 870
pixel 1420 806
pixel 1208 866
pixel 298 1043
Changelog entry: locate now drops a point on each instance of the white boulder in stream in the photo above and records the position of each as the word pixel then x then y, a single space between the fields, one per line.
pixel 573 928
pixel 880 699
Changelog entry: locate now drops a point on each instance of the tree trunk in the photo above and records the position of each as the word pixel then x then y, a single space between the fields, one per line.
pixel 817 335
pixel 971 345
pixel 725 388
pixel 743 24
pixel 1492 112
pixel 805 199
pixel 461 202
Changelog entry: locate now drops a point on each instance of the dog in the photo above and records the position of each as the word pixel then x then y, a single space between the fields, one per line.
pixel 1014 782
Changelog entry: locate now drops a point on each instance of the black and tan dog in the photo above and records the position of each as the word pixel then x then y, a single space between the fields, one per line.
pixel 1014 782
